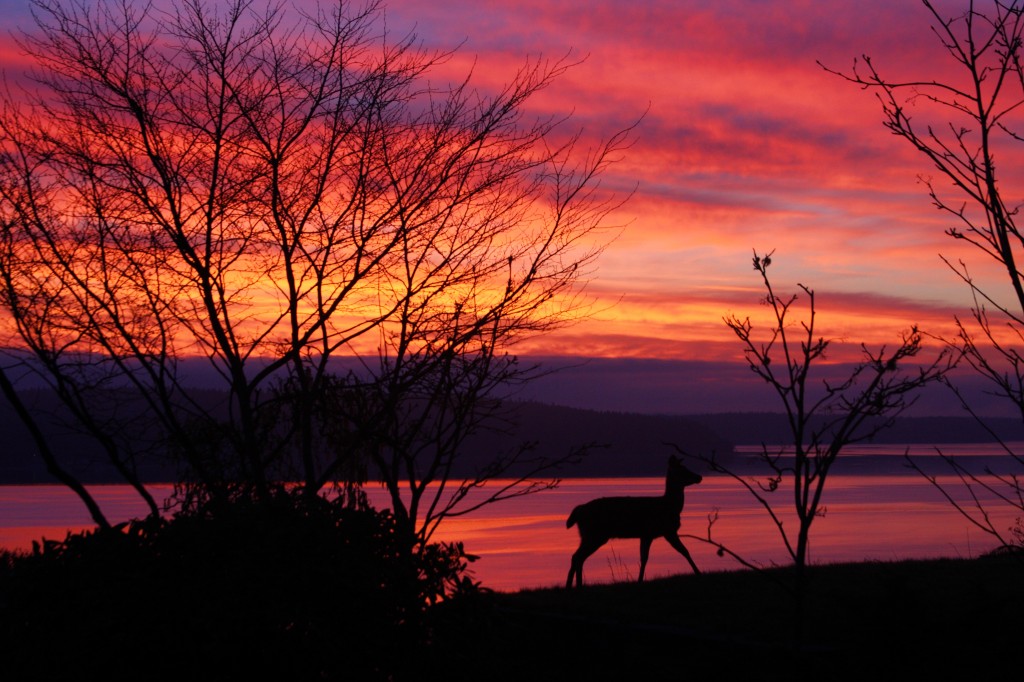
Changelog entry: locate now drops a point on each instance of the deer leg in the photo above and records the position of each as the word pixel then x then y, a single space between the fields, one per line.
pixel 574 570
pixel 645 551
pixel 586 548
pixel 674 540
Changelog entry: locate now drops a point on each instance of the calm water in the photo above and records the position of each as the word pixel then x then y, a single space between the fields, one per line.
pixel 524 542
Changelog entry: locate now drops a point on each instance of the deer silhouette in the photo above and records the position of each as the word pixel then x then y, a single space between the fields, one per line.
pixel 646 518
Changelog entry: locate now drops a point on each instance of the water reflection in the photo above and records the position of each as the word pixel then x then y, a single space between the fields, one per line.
pixel 868 517
pixel 524 542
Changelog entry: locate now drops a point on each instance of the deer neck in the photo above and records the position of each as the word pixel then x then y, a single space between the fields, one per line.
pixel 674 496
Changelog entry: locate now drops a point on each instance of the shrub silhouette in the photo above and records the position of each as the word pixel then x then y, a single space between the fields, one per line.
pixel 291 587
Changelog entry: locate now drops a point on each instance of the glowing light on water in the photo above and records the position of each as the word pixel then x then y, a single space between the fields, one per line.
pixel 524 543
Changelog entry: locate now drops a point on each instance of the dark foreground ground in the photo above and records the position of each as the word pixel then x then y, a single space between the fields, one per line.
pixel 948 619
pixel 908 620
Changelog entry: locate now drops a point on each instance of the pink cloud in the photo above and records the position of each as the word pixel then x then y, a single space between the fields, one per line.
pixel 747 143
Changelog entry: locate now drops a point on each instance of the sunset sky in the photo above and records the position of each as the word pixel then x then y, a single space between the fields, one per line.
pixel 746 143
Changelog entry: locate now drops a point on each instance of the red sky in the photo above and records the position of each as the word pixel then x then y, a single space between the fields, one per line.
pixel 747 143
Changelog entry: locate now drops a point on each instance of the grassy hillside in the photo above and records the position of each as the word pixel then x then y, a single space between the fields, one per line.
pixel 256 597
pixel 906 620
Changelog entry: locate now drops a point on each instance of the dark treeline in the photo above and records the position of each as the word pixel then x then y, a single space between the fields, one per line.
pixel 620 443
pixel 744 428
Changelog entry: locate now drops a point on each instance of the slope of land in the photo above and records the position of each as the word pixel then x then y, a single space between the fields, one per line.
pixel 913 620
pixel 615 443
pixel 906 620
pixel 754 428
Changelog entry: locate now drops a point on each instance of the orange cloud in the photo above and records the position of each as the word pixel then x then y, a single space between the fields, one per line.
pixel 746 143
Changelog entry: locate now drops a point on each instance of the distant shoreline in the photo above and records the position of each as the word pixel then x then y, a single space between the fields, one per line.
pixel 621 444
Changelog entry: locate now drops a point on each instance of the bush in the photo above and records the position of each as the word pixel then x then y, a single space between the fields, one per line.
pixel 288 587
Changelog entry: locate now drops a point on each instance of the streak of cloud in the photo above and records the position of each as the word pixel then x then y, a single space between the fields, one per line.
pixel 746 143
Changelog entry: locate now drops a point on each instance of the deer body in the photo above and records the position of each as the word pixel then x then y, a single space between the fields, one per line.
pixel 645 518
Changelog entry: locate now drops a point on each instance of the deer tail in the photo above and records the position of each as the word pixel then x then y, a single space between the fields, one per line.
pixel 571 521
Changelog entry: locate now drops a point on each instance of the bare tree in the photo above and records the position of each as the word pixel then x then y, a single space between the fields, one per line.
pixel 962 125
pixel 271 191
pixel 823 417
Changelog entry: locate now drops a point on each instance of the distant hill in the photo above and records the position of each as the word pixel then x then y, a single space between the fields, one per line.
pixel 20 462
pixel 638 444
pixel 751 428
pixel 622 443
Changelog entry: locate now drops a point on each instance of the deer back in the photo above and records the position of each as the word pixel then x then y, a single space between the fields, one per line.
pixel 627 517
